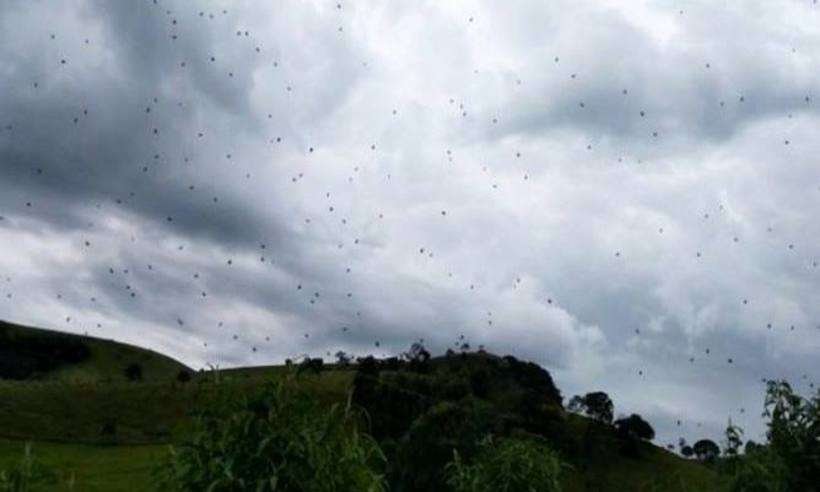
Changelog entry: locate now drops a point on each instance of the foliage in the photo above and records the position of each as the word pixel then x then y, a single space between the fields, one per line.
pixel 761 470
pixel 632 430
pixel 734 440
pixel 183 376
pixel 343 359
pixel 280 440
pixel 133 372
pixel 28 472
pixel 314 366
pixel 634 427
pixel 706 450
pixel 596 405
pixel 794 433
pixel 423 452
pixel 507 465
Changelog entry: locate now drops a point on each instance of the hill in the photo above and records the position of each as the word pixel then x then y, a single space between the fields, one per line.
pixel 46 355
pixel 103 431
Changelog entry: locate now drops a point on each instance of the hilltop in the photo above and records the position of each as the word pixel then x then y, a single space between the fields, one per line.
pixel 45 355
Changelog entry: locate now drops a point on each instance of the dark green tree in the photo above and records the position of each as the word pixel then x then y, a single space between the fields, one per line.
pixel 634 427
pixel 706 450
pixel 596 405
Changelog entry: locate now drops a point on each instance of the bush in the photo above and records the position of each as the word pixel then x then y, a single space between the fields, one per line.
pixel 427 447
pixel 760 471
pixel 133 372
pixel 510 465
pixel 282 440
pixel 183 376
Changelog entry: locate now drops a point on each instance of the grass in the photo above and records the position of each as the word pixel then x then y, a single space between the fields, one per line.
pixel 140 412
pixel 656 470
pixel 100 432
pixel 107 362
pixel 90 467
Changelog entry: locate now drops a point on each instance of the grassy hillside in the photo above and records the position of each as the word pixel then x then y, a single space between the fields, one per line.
pixel 101 431
pixel 46 355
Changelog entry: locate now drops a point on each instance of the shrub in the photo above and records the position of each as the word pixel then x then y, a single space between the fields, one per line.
pixel 426 448
pixel 282 440
pixel 183 376
pixel 509 465
pixel 133 372
pixel 759 471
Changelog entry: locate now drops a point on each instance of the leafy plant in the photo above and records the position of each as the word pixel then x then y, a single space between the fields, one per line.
pixel 762 470
pixel 281 440
pixel 508 465
pixel 27 473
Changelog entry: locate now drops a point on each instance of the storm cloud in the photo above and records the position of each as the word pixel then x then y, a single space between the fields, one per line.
pixel 626 194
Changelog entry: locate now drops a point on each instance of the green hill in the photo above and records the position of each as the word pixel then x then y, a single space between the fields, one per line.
pixel 46 355
pixel 102 431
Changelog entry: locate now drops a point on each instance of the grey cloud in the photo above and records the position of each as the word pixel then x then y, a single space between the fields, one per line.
pixel 548 249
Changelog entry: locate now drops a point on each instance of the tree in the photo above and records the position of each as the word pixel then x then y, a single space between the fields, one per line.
pixel 312 365
pixel 634 427
pixel 596 405
pixel 687 451
pixel 794 432
pixel 706 450
pixel 417 358
pixel 343 358
pixel 417 352
pixel 183 376
pixel 734 440
pixel 133 372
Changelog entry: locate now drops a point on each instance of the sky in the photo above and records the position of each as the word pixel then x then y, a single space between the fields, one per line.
pixel 625 192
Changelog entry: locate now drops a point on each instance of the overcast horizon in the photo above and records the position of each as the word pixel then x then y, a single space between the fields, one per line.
pixel 626 193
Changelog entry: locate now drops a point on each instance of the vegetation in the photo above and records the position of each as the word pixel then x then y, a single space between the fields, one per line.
pixel 45 355
pixel 25 474
pixel 596 405
pixel 465 421
pixel 280 439
pixel 512 465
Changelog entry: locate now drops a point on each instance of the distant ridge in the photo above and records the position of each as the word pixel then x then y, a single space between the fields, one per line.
pixel 40 354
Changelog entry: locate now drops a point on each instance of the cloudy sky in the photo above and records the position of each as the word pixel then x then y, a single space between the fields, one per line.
pixel 627 194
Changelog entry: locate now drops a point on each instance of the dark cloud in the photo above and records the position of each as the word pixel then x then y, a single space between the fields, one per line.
pixel 175 175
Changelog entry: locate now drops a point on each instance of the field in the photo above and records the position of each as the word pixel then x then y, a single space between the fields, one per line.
pixel 101 432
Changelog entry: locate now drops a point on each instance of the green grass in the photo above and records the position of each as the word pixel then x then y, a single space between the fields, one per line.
pixel 107 361
pixel 90 468
pixel 656 470
pixel 142 412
